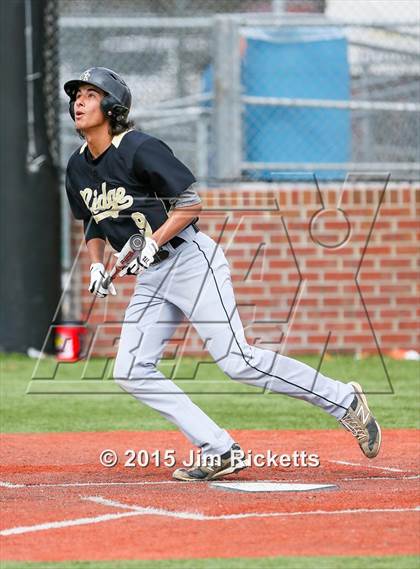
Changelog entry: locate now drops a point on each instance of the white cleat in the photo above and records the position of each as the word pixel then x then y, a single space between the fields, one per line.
pixel 218 466
pixel 362 424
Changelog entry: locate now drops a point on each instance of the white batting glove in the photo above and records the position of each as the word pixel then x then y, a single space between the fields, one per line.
pixel 134 268
pixel 97 276
pixel 143 261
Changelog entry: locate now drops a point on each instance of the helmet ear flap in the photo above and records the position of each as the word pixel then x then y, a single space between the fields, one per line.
pixel 113 109
pixel 107 104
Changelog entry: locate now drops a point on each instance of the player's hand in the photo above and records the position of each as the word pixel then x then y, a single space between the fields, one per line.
pixel 148 252
pixel 97 276
pixel 134 268
pixel 143 261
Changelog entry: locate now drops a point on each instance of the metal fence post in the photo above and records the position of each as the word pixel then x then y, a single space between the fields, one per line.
pixel 202 148
pixel 227 98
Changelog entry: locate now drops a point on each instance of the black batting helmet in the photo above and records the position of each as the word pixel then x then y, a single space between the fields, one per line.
pixel 117 101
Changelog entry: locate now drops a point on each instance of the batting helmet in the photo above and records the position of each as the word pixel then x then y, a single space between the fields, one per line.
pixel 117 101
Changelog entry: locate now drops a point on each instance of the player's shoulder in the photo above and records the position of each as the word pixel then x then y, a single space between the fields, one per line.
pixel 139 149
pixel 127 144
pixel 133 139
pixel 76 156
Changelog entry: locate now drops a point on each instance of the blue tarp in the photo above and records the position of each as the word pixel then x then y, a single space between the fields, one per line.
pixel 294 62
pixel 306 63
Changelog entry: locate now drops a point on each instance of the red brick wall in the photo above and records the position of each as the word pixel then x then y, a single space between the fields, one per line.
pixel 294 260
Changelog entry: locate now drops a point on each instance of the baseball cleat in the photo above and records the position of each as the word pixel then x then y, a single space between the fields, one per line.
pixel 362 424
pixel 213 467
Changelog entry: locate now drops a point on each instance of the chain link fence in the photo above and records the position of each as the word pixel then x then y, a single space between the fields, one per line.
pixel 330 96
pixel 256 90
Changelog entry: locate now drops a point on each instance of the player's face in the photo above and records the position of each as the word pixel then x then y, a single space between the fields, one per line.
pixel 87 108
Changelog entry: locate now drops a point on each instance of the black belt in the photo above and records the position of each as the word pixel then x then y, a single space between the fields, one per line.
pixel 176 241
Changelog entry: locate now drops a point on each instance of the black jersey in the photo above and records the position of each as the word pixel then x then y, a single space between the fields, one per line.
pixel 126 188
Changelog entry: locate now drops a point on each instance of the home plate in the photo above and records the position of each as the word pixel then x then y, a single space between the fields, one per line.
pixel 272 486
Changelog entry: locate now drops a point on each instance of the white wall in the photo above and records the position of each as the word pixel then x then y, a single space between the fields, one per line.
pixel 371 10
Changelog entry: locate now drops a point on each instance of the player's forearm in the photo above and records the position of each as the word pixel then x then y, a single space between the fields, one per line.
pixel 177 221
pixel 96 248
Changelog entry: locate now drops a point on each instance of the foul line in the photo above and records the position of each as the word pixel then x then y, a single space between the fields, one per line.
pixel 67 523
pixel 193 516
pixel 397 478
pixel 11 485
pixel 78 484
pixel 388 468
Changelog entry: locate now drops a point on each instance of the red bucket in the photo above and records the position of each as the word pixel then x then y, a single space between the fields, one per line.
pixel 69 341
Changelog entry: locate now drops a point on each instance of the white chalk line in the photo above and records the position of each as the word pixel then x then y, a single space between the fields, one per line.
pixel 6 484
pixel 148 510
pixel 398 478
pixel 388 468
pixel 67 523
pixel 11 485
pixel 81 484
pixel 192 516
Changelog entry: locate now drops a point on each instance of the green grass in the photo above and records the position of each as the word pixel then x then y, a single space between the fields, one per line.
pixel 406 562
pixel 67 403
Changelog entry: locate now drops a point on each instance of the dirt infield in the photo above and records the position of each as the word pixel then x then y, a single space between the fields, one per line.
pixel 59 503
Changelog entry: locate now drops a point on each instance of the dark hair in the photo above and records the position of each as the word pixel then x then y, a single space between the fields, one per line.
pixel 116 127
pixel 119 126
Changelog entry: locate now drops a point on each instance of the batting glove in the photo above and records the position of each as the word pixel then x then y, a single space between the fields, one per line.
pixel 134 268
pixel 97 276
pixel 143 261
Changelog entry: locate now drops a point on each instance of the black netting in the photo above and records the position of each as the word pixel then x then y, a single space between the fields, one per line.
pixel 51 78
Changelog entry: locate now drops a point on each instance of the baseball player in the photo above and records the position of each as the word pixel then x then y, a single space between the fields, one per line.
pixel 122 181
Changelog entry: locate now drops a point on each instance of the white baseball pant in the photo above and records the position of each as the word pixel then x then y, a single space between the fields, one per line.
pixel 194 281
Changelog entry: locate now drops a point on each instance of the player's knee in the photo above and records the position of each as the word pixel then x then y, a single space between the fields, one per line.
pixel 238 364
pixel 234 367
